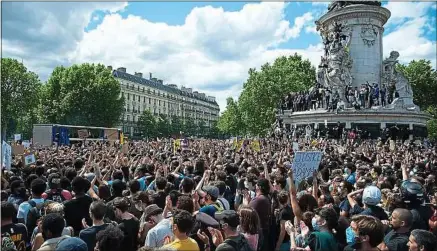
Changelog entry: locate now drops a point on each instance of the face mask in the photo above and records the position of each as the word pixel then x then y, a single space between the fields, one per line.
pixel 315 225
pixel 415 170
pixel 347 171
pixel 339 190
pixel 331 187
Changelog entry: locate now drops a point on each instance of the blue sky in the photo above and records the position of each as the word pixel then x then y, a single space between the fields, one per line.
pixel 208 46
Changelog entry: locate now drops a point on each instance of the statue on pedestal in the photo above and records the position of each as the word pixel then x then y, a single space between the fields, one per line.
pixel 335 5
pixel 403 96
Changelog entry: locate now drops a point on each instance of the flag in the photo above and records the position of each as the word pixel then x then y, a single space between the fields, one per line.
pixel 176 145
pixel 121 138
pixel 255 145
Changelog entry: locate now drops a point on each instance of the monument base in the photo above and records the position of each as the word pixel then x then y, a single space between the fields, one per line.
pixel 372 120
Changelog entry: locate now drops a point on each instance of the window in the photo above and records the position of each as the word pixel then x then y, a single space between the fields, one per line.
pixel 139 98
pixel 143 89
pixel 149 101
pixel 144 99
pixel 138 88
pixel 128 96
pixel 128 118
pixel 159 102
pixel 133 97
pixel 122 94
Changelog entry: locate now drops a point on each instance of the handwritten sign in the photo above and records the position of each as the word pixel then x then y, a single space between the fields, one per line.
pixel 7 155
pixel 82 133
pixel 17 149
pixel 29 159
pixel 304 164
pixel 392 145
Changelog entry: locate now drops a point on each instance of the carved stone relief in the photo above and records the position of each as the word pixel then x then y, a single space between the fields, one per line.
pixel 369 33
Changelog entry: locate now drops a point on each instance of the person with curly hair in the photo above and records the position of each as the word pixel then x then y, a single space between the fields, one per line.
pixel 109 239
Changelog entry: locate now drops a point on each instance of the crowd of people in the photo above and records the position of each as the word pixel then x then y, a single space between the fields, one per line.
pixel 363 97
pixel 364 196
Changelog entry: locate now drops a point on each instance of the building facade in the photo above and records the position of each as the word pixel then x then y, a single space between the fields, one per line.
pixel 161 99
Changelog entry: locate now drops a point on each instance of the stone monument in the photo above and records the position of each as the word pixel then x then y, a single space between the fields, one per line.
pixel 352 33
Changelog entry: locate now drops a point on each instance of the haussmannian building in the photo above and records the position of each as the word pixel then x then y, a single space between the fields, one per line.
pixel 152 94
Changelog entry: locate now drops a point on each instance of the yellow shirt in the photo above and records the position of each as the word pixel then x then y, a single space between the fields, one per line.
pixel 183 245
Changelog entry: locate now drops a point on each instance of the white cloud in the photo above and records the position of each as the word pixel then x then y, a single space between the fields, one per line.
pixel 211 51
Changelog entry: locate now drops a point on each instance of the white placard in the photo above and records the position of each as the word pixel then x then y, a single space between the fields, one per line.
pixel 17 137
pixel 304 164
pixel 26 144
pixel 7 155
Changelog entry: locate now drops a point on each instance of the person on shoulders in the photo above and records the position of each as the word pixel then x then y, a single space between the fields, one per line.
pixel 16 232
pixel 55 192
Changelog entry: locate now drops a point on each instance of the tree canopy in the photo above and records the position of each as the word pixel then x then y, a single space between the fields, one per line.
pixel 256 107
pixel 423 80
pixel 85 94
pixel 20 89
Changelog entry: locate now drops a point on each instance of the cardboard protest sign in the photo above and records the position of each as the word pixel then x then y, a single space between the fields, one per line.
pixel 7 155
pixel 29 159
pixel 17 137
pixel 111 134
pixel 82 133
pixel 304 164
pixel 17 149
pixel 26 144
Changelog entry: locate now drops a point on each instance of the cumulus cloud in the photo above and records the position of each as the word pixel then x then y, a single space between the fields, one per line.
pixel 211 51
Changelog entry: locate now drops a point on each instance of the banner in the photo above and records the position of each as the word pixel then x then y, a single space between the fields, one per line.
pixel 176 145
pixel 7 155
pixel 304 164
pixel 111 134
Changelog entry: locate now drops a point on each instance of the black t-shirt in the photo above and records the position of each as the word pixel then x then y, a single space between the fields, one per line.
pixel 285 214
pixel 88 235
pixel 130 229
pixel 158 198
pixel 396 241
pixel 17 233
pixel 110 214
pixel 77 209
pixel 262 205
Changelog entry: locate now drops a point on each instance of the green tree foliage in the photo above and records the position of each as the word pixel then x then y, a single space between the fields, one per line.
pixel 163 126
pixel 85 94
pixel 147 124
pixel 264 89
pixel 423 80
pixel 189 127
pixel 230 122
pixel 176 126
pixel 19 92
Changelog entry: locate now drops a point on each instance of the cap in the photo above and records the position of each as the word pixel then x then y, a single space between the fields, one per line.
pixel 71 244
pixel 371 195
pixel 151 211
pixel 229 217
pixel 212 191
pixel 207 220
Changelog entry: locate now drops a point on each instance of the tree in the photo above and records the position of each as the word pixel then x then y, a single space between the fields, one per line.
pixel 201 127
pixel 423 80
pixel 176 125
pixel 85 94
pixel 163 126
pixel 230 122
pixel 19 92
pixel 189 126
pixel 147 124
pixel 264 89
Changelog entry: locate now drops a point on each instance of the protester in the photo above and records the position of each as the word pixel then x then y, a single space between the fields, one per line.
pixel 155 196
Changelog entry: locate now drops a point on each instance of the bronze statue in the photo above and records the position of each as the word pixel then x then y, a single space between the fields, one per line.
pixel 335 5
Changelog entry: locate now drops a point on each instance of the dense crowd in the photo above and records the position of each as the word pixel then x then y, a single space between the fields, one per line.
pixel 363 97
pixel 366 195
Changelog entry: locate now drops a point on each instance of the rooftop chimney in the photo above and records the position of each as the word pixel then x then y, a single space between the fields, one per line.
pixel 154 79
pixel 121 69
pixel 160 81
pixel 150 75
pixel 109 67
pixel 139 74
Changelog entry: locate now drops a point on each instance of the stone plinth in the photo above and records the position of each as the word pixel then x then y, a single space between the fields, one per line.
pixel 366 48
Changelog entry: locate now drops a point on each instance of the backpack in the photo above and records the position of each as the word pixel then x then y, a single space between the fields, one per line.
pixel 55 196
pixel 33 216
pixel 242 245
pixel 218 207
